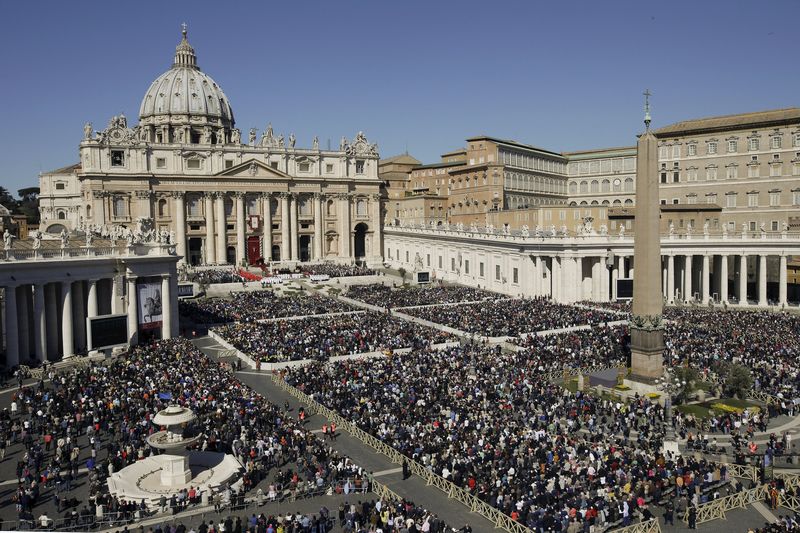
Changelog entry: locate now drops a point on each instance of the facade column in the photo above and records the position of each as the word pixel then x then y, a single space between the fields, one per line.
pixel 671 278
pixel 180 224
pixel 79 310
pixel 603 271
pixel 266 229
pixel 578 295
pixel 687 278
pixel 555 274
pixel 68 348
pixel 51 309
pixel 294 234
pixel 222 228
pixel 377 236
pixel 39 323
pixel 133 318
pixel 91 309
pixel 743 280
pixel 782 296
pixel 596 277
pixel 285 226
pixel 116 284
pixel 614 278
pixel 210 246
pixel 23 304
pixel 706 279
pixel 762 280
pixel 166 308
pixel 240 233
pixel 319 224
pixel 723 279
pixel 344 220
pixel 11 327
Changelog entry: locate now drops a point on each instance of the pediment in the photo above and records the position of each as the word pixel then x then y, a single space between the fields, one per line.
pixel 253 168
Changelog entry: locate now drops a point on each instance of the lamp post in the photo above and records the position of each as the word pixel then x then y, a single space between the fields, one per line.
pixel 669 384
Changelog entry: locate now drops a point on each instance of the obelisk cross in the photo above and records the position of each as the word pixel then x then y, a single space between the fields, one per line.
pixel 647 95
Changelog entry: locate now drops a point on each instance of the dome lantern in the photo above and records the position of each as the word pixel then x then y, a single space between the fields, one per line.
pixel 184 53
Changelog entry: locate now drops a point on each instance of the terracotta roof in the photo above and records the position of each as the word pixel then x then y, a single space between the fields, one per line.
pixel 725 122
pixel 404 159
pixel 69 169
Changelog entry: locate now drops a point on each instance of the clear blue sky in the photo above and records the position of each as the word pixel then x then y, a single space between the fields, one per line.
pixel 425 75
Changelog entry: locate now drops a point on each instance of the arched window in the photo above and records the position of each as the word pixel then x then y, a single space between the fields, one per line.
pixel 583 202
pixel 361 207
pixel 628 184
pixel 605 186
pixel 61 215
pixel 584 187
pixel 228 207
pixel 605 202
pixel 594 202
pixel 595 186
pixel 305 206
pixel 162 208
pixel 617 202
pixel 88 211
pixel 573 187
pixel 193 205
pixel 119 207
pixel 617 185
pixel 628 202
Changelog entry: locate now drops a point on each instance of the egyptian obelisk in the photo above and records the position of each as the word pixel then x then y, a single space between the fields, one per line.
pixel 646 325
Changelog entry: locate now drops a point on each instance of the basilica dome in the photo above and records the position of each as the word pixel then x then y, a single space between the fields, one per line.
pixel 184 104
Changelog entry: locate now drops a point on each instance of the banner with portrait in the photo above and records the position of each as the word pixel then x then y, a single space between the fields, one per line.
pixel 149 303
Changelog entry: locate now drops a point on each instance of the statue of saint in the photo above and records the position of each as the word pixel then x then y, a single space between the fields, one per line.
pixel 236 136
pixel 280 141
pixel 64 238
pixel 37 239
pixel 89 239
pixel 252 136
pixel 292 140
pixel 315 143
pixel 87 131
pixel 7 238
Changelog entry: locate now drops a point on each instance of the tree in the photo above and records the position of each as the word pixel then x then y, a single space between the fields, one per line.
pixel 402 272
pixel 6 200
pixel 738 381
pixel 29 204
pixel 688 375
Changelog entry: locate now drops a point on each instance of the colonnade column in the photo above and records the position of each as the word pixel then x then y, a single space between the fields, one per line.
pixel 687 278
pixel 210 246
pixel 344 210
pixel 12 333
pixel 39 323
pixel 68 349
pixel 671 279
pixel 782 296
pixel 51 311
pixel 133 325
pixel 723 279
pixel 24 330
pixel 294 237
pixel 578 295
pixel 166 308
pixel 180 224
pixel 377 241
pixel 762 280
pixel 706 279
pixel 91 309
pixel 319 224
pixel 664 274
pixel 78 305
pixel 555 275
pixel 614 278
pixel 284 226
pixel 222 228
pixel 596 280
pixel 743 280
pixel 266 230
pixel 240 253
pixel 603 268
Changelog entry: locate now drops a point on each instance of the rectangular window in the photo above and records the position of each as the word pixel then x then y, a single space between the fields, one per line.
pixel 480 270
pixel 193 164
pixel 775 170
pixel 663 177
pixel 732 146
pixel 406 256
pixel 753 171
pixel 274 164
pixel 753 143
pixel 329 168
pixel 691 199
pixel 731 173
pixel 662 152
pixel 692 149
pixel 752 225
pixel 161 162
pixel 428 260
pixel 229 163
pixel 774 199
pixel 797 139
pixel 730 200
pixel 676 177
pixel 452 264
pixel 675 201
pixel 752 200
pixel 515 276
pixel 676 151
pixel 117 158
pixel 305 167
pixel 774 225
pixel 795 197
pixel 440 261
pixel 776 142
pixel 466 267
pixel 359 166
pixel 60 186
pixel 497 272
pixel 711 173
pixel 712 148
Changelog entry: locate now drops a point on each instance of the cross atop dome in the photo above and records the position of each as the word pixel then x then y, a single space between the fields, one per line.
pixel 183 29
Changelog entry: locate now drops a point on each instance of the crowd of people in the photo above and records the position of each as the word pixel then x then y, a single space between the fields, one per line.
pixel 510 318
pixel 323 337
pixel 98 417
pixel 255 305
pixel 211 276
pixel 335 270
pixel 396 297
pixel 489 422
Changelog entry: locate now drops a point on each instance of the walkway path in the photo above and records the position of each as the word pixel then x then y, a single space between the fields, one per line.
pixel 451 511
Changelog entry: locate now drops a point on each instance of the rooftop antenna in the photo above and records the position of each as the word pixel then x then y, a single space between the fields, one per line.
pixel 647 118
pixel 329 144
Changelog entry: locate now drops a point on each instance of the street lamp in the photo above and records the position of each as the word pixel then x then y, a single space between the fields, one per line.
pixel 669 384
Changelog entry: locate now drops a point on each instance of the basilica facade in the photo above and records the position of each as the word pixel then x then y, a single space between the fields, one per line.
pixel 223 197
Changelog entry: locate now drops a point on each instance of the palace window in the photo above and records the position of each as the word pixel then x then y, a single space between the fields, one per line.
pixel 774 198
pixel 753 143
pixel 676 151
pixel 692 149
pixel 329 168
pixel 193 164
pixel 515 276
pixel 117 158
pixel 161 162
pixel 730 200
pixel 796 197
pixel 712 148
pixel 776 142
pixel 711 173
pixel 60 186
pixel 732 146
pixel 752 199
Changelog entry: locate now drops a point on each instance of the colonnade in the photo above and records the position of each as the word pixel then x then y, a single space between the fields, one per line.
pixel 291 224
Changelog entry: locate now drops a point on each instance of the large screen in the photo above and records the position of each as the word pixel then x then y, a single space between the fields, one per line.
pixel 423 277
pixel 624 289
pixel 108 331
pixel 185 290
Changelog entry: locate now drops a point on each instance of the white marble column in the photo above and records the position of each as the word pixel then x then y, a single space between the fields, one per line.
pixel 133 317
pixel 11 327
pixel 596 280
pixel 91 308
pixel 706 279
pixel 346 232
pixel 762 280
pixel 51 310
pixel 578 288
pixel 222 228
pixel 663 277
pixel 556 281
pixel 266 230
pixel 671 278
pixel 39 323
pixel 285 236
pixel 294 227
pixel 79 317
pixel 687 278
pixel 604 272
pixel 538 276
pixel 210 245
pixel 377 237
pixel 23 303
pixel 743 280
pixel 623 271
pixel 240 232
pixel 782 281
pixel 166 308
pixel 723 279
pixel 68 346
pixel 180 224
pixel 319 225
